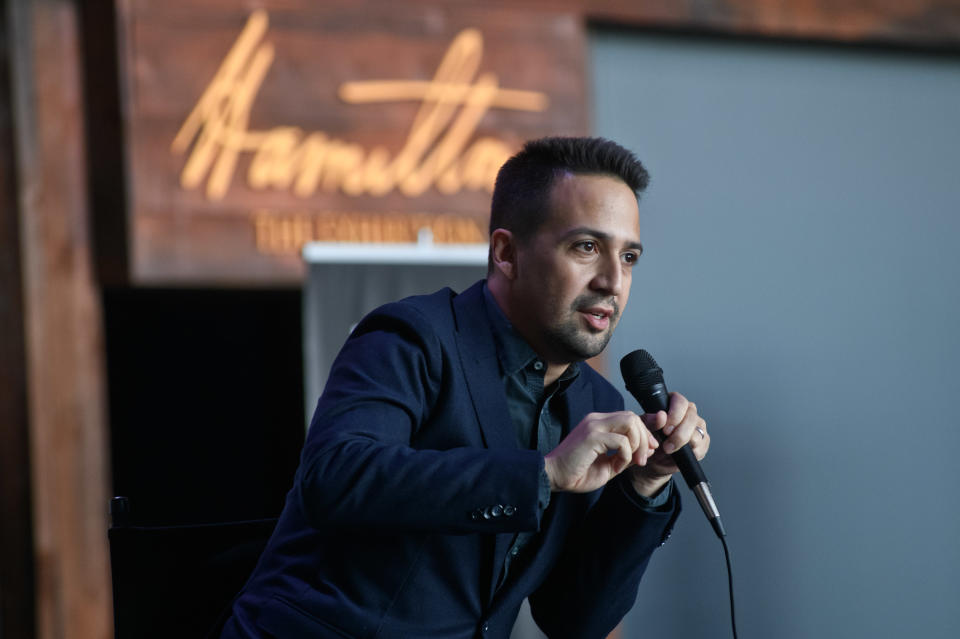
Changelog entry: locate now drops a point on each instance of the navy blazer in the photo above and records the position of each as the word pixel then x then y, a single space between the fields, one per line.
pixel 411 488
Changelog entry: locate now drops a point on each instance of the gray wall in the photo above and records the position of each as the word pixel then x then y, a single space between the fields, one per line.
pixel 800 283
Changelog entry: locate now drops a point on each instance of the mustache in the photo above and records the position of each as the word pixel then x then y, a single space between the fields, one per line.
pixel 587 301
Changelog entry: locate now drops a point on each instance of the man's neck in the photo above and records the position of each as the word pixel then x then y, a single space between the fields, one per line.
pixel 500 294
pixel 554 371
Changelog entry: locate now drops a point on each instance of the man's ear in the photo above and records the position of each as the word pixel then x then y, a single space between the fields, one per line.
pixel 503 253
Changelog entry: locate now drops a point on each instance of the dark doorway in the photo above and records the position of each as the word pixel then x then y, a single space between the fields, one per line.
pixel 206 401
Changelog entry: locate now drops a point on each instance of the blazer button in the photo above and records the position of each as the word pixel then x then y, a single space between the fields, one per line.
pixel 487 512
pixel 497 510
pixel 509 510
pixel 476 515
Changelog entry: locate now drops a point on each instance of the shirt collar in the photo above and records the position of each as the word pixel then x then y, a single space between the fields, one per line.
pixel 515 354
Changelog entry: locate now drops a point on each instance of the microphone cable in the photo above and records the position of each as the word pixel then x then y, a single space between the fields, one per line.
pixel 733 612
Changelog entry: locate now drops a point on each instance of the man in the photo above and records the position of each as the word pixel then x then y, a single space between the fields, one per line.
pixel 462 459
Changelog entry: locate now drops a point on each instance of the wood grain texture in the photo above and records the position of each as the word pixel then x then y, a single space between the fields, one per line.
pixel 172 53
pixel 64 345
pixel 911 23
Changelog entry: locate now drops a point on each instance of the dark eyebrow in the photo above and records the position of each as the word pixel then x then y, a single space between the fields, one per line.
pixel 600 235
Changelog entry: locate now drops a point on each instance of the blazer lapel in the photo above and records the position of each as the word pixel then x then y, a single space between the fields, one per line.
pixel 481 368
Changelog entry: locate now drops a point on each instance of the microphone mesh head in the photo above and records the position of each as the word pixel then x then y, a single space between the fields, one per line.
pixel 639 369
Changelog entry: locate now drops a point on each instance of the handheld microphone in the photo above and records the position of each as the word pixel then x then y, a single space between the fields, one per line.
pixel 644 379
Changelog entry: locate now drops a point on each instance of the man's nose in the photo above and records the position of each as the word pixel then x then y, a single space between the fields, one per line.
pixel 609 276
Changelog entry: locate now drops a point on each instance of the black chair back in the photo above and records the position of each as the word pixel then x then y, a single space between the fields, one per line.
pixel 178 581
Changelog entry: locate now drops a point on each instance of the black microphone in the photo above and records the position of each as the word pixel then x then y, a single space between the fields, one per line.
pixel 644 380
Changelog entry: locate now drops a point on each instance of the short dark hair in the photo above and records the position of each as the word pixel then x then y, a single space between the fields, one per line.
pixel 521 195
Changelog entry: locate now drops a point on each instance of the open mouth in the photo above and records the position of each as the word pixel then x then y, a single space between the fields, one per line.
pixel 597 318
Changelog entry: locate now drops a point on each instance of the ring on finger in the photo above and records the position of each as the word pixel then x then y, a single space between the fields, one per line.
pixel 703 433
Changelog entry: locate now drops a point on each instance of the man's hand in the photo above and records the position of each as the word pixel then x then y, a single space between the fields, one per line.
pixel 681 426
pixel 598 449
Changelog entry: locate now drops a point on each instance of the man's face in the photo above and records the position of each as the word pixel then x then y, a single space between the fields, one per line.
pixel 573 276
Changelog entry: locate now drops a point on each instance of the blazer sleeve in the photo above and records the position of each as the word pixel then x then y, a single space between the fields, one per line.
pixel 359 467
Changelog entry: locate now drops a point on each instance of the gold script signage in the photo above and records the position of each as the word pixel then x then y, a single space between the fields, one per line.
pixel 333 124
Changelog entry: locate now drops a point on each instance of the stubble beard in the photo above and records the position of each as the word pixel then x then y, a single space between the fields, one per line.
pixel 576 342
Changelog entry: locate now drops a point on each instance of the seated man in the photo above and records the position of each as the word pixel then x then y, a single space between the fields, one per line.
pixel 462 458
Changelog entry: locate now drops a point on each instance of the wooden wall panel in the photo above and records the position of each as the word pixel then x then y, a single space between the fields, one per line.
pixel 910 23
pixel 64 345
pixel 188 68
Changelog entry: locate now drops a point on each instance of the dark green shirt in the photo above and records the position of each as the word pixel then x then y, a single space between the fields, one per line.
pixel 538 415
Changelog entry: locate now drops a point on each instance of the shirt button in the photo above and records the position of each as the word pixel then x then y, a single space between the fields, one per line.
pixel 538 365
pixel 485 627
pixel 514 551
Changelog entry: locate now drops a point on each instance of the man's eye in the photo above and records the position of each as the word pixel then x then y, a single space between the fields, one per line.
pixel 587 245
pixel 630 258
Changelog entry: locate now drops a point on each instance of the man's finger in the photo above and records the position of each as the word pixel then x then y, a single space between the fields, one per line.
pixel 629 424
pixel 644 453
pixel 654 421
pixel 618 444
pixel 700 440
pixel 679 405
pixel 686 431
